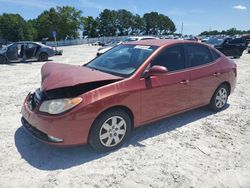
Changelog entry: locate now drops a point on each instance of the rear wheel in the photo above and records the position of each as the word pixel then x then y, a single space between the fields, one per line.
pixel 110 130
pixel 3 60
pixel 43 57
pixel 219 99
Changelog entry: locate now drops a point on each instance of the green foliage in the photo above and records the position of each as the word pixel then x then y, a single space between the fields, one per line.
pixel 232 31
pixel 158 24
pixel 68 21
pixel 14 28
pixel 90 26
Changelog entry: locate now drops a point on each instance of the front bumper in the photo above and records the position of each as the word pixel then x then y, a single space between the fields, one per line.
pixel 39 134
pixel 68 129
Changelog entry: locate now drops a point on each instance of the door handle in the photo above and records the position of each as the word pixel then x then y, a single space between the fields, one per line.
pixel 216 74
pixel 184 82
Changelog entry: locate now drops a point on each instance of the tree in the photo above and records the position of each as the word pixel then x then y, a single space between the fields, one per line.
pixel 90 26
pixel 66 21
pixel 158 24
pixel 107 22
pixel 14 28
pixel 124 20
pixel 138 25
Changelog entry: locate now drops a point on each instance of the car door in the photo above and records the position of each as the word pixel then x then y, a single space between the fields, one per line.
pixel 169 93
pixel 30 50
pixel 204 73
pixel 12 52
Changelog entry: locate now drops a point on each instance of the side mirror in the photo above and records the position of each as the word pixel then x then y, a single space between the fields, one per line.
pixel 156 70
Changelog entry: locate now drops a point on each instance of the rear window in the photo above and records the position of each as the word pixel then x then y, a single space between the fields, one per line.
pixel 215 54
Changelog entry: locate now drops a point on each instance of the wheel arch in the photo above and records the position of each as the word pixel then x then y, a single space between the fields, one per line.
pixel 120 107
pixel 223 83
pixel 4 56
pixel 227 84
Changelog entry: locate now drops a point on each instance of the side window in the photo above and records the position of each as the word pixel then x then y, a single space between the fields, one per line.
pixel 198 55
pixel 215 54
pixel 172 58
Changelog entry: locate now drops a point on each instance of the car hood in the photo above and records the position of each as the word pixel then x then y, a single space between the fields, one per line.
pixel 57 75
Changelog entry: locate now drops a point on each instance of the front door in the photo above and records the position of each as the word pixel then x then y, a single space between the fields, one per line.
pixel 12 52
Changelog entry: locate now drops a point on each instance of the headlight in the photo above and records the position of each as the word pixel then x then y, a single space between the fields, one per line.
pixel 58 106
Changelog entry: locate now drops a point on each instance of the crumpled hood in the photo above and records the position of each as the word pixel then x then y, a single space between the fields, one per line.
pixel 57 75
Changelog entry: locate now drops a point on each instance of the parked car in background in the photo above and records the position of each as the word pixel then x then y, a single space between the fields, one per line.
pixel 21 51
pixel 229 46
pixel 130 85
pixel 247 37
pixel 127 39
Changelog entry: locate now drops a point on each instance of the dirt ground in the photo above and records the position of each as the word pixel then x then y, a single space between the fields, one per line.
pixel 194 149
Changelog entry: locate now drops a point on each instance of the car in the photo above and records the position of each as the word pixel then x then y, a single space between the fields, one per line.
pixel 132 84
pixel 247 38
pixel 21 51
pixel 229 46
pixel 102 50
pixel 248 48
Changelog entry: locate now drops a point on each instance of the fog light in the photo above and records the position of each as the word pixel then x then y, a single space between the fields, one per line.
pixel 54 139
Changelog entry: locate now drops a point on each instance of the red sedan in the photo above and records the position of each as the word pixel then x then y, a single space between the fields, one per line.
pixel 130 85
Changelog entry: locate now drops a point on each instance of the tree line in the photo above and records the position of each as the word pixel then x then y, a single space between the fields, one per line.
pixel 69 23
pixel 231 32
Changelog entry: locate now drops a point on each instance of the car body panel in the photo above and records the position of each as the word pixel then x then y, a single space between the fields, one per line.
pixel 53 75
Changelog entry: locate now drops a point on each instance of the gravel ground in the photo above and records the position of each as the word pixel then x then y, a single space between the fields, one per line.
pixel 193 149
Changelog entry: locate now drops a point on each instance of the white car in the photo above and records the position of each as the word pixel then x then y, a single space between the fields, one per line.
pixel 128 39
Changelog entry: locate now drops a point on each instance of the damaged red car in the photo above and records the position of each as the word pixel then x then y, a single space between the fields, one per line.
pixel 100 103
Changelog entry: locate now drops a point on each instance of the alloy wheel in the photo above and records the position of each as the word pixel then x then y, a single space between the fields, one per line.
pixel 221 98
pixel 112 131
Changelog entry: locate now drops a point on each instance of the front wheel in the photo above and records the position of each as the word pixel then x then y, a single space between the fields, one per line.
pixel 2 60
pixel 219 99
pixel 110 130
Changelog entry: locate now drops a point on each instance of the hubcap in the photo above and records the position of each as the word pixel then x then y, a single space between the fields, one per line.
pixel 221 98
pixel 112 131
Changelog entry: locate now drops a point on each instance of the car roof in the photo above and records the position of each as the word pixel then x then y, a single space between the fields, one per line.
pixel 160 42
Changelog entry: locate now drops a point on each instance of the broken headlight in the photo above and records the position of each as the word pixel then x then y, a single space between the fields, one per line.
pixel 58 106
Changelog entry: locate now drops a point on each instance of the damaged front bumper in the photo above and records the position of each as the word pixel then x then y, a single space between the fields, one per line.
pixel 68 129
pixel 39 134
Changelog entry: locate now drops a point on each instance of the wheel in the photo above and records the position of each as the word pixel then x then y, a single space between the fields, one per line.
pixel 110 130
pixel 43 57
pixel 219 99
pixel 2 60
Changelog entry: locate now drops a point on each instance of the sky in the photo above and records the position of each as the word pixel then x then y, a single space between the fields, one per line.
pixel 196 15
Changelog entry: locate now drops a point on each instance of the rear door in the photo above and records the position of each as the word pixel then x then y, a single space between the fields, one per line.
pixel 166 94
pixel 204 73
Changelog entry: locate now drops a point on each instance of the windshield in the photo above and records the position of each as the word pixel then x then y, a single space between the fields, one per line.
pixel 215 41
pixel 122 60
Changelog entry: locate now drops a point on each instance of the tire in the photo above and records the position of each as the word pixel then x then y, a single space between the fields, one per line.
pixel 43 57
pixel 3 60
pixel 110 130
pixel 219 99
